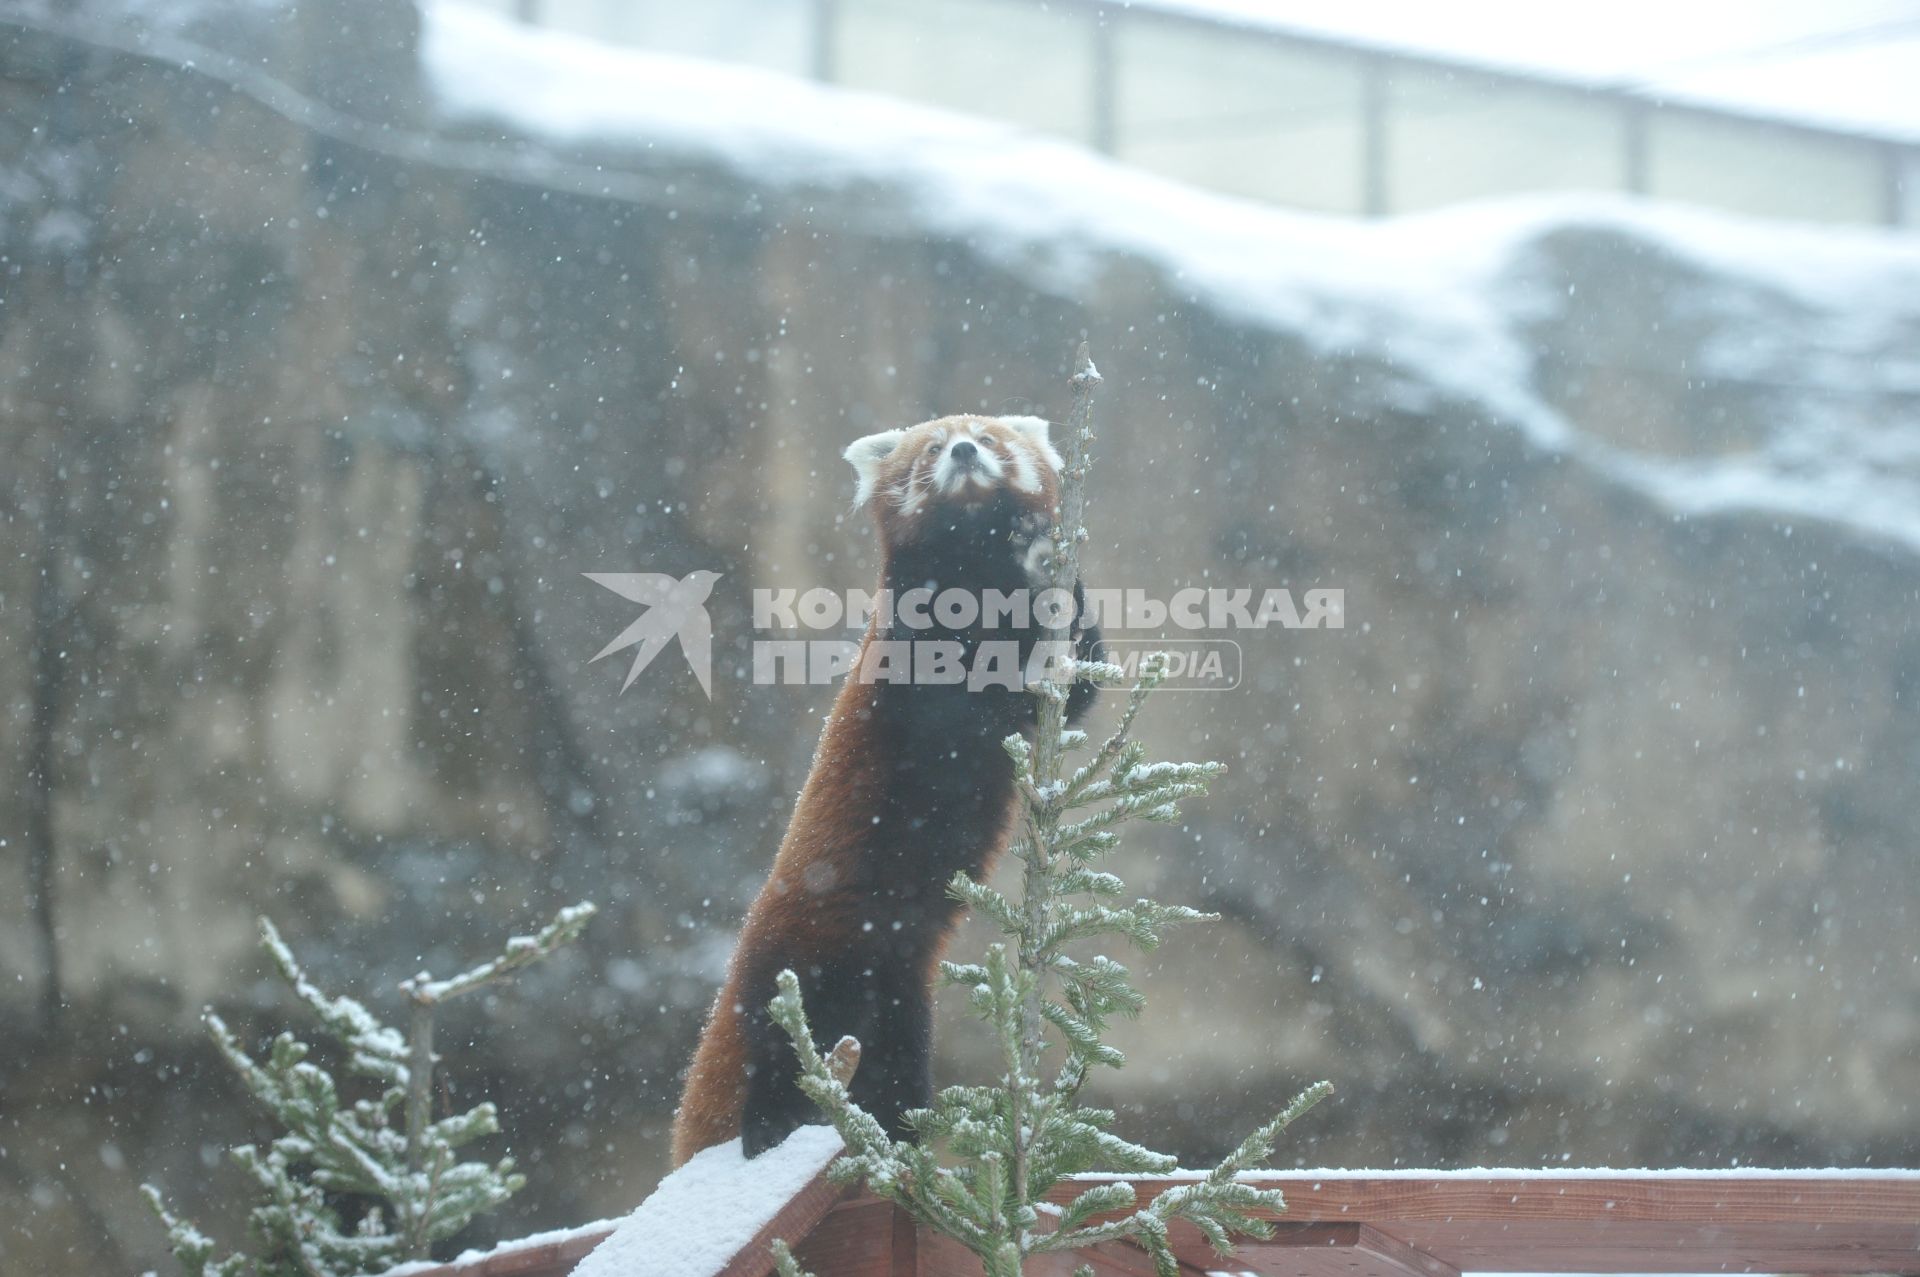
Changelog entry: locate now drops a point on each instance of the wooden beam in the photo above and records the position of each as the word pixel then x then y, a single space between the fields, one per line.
pixel 941 1256
pixel 857 1237
pixel 1424 1225
pixel 795 1221
pixel 1685 1223
pixel 1315 1250
pixel 864 1236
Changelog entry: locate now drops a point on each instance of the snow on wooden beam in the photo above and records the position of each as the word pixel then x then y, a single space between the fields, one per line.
pixel 717 1215
pixel 554 1254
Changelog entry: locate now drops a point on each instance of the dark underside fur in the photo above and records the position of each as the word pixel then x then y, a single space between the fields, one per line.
pixel 933 795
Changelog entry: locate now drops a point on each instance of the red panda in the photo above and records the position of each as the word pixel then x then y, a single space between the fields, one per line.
pixel 909 785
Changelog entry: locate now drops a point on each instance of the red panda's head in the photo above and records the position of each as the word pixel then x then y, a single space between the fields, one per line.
pixel 929 476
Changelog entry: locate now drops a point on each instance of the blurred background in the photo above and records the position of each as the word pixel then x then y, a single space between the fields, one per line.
pixel 1582 350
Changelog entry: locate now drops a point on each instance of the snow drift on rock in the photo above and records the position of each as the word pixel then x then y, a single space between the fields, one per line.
pixel 1440 299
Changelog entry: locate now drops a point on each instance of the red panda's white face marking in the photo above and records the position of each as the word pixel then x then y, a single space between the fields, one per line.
pixel 962 461
pixel 965 460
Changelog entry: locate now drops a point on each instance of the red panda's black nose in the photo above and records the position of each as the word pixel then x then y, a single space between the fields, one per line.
pixel 964 450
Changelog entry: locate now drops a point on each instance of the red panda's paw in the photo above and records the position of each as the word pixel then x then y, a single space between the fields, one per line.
pixel 1035 547
pixel 1037 563
pixel 1030 525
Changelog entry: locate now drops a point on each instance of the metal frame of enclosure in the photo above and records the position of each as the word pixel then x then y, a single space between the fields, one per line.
pixel 1288 118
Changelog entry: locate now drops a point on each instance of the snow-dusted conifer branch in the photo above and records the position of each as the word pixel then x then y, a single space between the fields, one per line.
pixel 335 1151
pixel 984 1157
pixel 426 994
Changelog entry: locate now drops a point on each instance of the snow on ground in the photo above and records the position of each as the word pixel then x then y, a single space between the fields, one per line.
pixel 704 1213
pixel 1434 297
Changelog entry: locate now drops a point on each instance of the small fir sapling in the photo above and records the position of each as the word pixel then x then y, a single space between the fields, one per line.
pixel 357 1186
pixel 984 1157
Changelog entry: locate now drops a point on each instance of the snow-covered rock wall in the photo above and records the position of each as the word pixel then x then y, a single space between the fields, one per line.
pixel 1590 837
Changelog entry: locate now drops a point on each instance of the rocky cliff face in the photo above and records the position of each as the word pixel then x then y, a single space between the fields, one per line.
pixel 1588 839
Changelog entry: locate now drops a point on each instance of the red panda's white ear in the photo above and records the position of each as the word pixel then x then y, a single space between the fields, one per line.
pixel 1035 428
pixel 865 455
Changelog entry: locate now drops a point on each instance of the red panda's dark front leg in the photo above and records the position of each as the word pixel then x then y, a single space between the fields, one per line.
pixel 896 1056
pixel 775 1106
pixel 843 996
pixel 884 1004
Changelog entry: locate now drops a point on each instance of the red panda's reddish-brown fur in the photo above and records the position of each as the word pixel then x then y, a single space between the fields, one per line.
pixel 909 785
